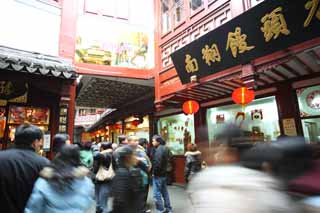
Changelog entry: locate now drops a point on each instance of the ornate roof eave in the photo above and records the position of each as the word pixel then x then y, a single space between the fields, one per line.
pixel 36 63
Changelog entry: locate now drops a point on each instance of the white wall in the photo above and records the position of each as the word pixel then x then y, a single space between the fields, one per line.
pixel 30 25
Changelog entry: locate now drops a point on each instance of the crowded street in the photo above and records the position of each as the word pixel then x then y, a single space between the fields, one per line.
pixel 160 106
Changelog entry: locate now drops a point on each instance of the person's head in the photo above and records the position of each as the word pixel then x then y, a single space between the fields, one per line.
pixel 59 140
pixel 191 147
pixel 69 155
pixel 30 136
pixel 126 156
pixel 122 139
pixel 143 142
pixel 229 144
pixel 64 168
pixel 87 146
pixel 133 141
pixel 157 140
pixel 105 145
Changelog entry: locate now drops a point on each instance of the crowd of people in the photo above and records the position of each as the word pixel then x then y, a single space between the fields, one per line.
pixel 110 177
pixel 90 177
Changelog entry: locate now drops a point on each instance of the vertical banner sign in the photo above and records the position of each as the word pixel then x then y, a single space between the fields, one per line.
pixel 268 27
pixel 46 142
pixel 289 127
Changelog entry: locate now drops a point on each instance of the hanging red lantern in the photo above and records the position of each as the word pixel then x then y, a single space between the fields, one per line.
pixel 190 107
pixel 135 122
pixel 243 95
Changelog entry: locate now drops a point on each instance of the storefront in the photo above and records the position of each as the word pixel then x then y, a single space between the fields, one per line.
pixel 34 91
pixel 279 62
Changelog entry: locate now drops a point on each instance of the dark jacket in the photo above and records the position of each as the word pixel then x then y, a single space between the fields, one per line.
pixel 124 190
pixel 193 164
pixel 103 158
pixel 19 169
pixel 160 161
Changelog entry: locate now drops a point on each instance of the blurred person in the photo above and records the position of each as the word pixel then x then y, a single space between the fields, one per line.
pixel 86 155
pixel 103 161
pixel 126 183
pixel 193 162
pixel 143 143
pixel 159 181
pixel 144 166
pixel 235 188
pixel 20 167
pixel 122 141
pixel 59 140
pixel 63 186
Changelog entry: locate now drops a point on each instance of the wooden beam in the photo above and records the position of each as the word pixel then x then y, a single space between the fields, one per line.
pixel 277 72
pixel 304 65
pixel 289 69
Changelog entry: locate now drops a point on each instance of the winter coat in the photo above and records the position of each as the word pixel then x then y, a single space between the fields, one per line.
pixel 235 189
pixel 86 157
pixel 19 169
pixel 124 190
pixel 144 165
pixel 103 158
pixel 79 198
pixel 193 164
pixel 160 161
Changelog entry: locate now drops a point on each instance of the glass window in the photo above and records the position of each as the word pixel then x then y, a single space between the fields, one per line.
pixel 2 121
pixel 311 130
pixel 309 106
pixel 258 119
pixel 165 16
pixel 178 131
pixel 195 5
pixel 309 101
pixel 178 12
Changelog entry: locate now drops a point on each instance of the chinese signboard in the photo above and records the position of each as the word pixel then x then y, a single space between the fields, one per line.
pixel 269 27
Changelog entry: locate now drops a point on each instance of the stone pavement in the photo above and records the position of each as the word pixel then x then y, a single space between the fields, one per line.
pixel 179 201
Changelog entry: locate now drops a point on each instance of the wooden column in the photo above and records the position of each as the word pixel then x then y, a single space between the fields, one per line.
pixel 288 106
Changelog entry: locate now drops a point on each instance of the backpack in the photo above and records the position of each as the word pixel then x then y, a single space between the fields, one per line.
pixel 104 174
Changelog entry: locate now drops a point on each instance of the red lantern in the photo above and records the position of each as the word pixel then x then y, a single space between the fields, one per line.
pixel 190 107
pixel 135 122
pixel 243 95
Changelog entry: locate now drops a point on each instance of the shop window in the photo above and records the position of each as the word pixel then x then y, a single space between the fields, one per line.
pixel 165 16
pixel 3 119
pixel 178 131
pixel 309 106
pixel 110 8
pixel 178 12
pixel 258 119
pixel 195 5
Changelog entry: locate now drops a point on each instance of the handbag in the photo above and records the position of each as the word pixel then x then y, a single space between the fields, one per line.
pixel 104 173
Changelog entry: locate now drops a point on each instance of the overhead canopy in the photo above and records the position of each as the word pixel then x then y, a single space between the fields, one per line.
pixel 100 92
pixel 35 63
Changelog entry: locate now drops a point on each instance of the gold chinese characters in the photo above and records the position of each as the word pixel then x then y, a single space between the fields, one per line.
pixel 274 23
pixel 211 54
pixel 312 5
pixel 191 64
pixel 237 42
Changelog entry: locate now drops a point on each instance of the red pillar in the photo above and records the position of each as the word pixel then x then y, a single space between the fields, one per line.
pixel 69 15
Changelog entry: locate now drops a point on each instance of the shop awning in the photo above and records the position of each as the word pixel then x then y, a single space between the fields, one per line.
pixel 142 105
pixel 105 92
pixel 294 67
pixel 35 63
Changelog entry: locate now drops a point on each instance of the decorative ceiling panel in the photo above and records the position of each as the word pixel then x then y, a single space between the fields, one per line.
pixel 98 92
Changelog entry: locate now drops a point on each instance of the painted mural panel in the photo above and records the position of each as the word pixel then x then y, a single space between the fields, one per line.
pixel 103 42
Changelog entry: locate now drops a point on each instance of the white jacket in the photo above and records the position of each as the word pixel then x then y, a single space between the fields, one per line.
pixel 233 189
